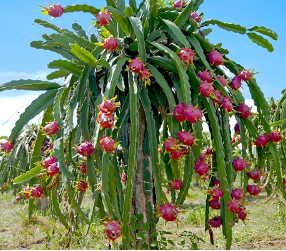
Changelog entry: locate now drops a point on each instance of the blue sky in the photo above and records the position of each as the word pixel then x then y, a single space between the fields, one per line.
pixel 20 61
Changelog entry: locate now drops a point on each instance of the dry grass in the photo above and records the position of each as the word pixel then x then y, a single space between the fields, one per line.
pixel 265 228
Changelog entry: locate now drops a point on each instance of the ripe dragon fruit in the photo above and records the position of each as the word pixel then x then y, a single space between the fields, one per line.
pixel 170 144
pixel 222 80
pixel 237 193
pixel 201 168
pixel 206 89
pixel 105 120
pixel 179 111
pixel 81 186
pixel 226 104
pixel 186 138
pixel 242 215
pixel 53 169
pixel 244 111
pixel 216 193
pixel 192 113
pixel 236 128
pixel 83 168
pixel 110 44
pixel 85 149
pixel 108 105
pixel 235 206
pixel 108 144
pixel 136 65
pixel 178 152
pixel 123 177
pixel 215 57
pixel 216 182
pixel 254 174
pixel 169 212
pixel 51 128
pixel 37 192
pixel 112 230
pixel 217 97
pixel 205 76
pixel 239 164
pixel 235 83
pixel 195 16
pixel 54 10
pixel 175 184
pixel 261 140
pixel 179 4
pixel 48 161
pixel 253 189
pixel 145 76
pixel 103 17
pixel 214 204
pixel 6 145
pixel 187 56
pixel 215 221
pixel 245 75
pixel 274 137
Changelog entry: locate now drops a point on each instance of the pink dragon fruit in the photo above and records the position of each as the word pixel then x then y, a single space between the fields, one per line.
pixel 235 83
pixel 254 174
pixel 105 120
pixel 245 75
pixel 239 164
pixel 215 221
pixel 261 140
pixel 103 18
pixel 187 56
pixel 179 4
pixel 108 144
pixel 112 230
pixel 51 128
pixel 136 65
pixel 48 161
pixel 83 168
pixel 206 89
pixel 37 192
pixel 192 113
pixel 235 206
pixel 214 204
pixel 237 193
pixel 242 215
pixel 108 105
pixel 236 128
pixel 145 76
pixel 216 182
pixel 201 168
pixel 81 186
pixel 53 169
pixel 179 111
pixel 244 111
pixel 85 149
pixel 217 97
pixel 186 138
pixel 274 137
pixel 205 76
pixel 195 16
pixel 54 10
pixel 110 44
pixel 216 193
pixel 226 104
pixel 170 144
pixel 169 212
pixel 175 184
pixel 6 145
pixel 222 80
pixel 215 57
pixel 253 189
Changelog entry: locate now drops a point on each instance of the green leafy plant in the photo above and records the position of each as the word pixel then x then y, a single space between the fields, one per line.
pixel 152 70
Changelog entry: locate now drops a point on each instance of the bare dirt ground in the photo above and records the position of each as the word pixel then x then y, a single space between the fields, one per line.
pixel 264 229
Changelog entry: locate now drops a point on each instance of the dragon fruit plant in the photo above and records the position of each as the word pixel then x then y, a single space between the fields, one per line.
pixel 168 79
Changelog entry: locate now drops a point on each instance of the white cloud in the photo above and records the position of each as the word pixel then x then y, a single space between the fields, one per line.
pixel 11 109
